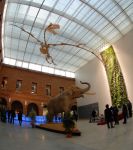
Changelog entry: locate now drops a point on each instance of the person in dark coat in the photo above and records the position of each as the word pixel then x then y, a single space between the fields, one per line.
pixel 108 117
pixel 115 113
pixel 20 118
pixel 75 114
pixel 3 115
pixel 129 106
pixel 9 115
pixel 125 113
pixel 93 114
pixel 13 115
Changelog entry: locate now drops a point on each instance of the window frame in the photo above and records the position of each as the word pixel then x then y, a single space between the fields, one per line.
pixel 61 89
pixel 19 85
pixel 33 88
pixel 48 89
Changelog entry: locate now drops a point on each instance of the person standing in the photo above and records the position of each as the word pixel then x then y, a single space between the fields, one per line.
pixel 129 106
pixel 9 115
pixel 125 113
pixel 93 115
pixel 20 117
pixel 75 114
pixel 13 115
pixel 116 117
pixel 108 117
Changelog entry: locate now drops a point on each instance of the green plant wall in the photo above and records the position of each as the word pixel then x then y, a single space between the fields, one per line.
pixel 115 78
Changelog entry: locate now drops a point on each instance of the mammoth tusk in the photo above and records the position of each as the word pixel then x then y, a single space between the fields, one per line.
pixel 90 93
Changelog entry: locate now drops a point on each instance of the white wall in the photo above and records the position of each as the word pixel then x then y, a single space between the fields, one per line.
pixel 124 51
pixel 95 74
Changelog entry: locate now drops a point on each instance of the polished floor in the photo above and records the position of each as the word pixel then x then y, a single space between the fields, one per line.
pixel 94 137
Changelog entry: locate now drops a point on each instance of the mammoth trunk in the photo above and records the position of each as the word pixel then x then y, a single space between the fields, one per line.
pixel 85 89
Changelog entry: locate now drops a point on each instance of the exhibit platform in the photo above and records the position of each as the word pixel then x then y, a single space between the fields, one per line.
pixel 58 128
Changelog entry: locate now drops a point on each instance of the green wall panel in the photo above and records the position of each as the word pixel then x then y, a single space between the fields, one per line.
pixel 115 78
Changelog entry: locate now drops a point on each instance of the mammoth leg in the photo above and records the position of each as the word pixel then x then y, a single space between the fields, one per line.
pixel 50 117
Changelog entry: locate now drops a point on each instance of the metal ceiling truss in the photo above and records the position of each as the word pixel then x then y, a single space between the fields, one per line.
pixel 63 14
pixel 95 34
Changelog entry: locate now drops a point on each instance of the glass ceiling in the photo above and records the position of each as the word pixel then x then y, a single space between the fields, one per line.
pixel 95 23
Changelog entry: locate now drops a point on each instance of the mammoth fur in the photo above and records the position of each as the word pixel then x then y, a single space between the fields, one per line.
pixel 64 102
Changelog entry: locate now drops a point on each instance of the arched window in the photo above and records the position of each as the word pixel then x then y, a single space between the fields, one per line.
pixel 17 106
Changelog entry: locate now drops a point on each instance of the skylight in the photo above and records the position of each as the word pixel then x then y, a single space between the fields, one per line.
pixel 94 23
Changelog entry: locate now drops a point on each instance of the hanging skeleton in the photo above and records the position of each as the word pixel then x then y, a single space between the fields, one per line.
pixel 44 46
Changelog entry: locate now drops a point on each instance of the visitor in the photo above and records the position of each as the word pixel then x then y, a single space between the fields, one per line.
pixel 9 115
pixel 129 106
pixel 75 115
pixel 93 116
pixel 20 117
pixel 115 113
pixel 125 113
pixel 3 114
pixel 108 117
pixel 13 115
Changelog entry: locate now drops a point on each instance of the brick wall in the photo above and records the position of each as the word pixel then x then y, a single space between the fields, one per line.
pixel 24 95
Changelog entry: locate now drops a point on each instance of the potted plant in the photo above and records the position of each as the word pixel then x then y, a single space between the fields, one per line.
pixel 68 124
pixel 32 115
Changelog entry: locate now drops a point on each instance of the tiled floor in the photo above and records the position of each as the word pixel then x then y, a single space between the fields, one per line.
pixel 14 137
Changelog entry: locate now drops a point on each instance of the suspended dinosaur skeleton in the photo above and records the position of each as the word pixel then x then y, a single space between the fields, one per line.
pixel 44 46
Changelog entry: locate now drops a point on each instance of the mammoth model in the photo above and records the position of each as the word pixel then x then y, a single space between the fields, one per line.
pixel 65 101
